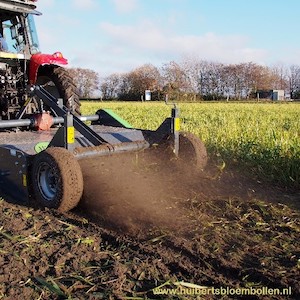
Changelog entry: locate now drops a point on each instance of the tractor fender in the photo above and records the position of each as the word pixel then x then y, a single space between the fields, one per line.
pixel 38 60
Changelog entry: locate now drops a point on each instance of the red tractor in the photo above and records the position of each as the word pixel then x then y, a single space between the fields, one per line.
pixel 22 65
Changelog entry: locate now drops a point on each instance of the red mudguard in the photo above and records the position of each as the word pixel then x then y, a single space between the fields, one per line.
pixel 38 60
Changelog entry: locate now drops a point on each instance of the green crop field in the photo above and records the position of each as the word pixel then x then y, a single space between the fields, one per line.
pixel 262 137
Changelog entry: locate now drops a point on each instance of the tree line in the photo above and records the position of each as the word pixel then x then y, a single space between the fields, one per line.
pixel 190 80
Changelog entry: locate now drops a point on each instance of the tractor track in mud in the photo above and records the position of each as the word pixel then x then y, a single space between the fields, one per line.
pixel 214 229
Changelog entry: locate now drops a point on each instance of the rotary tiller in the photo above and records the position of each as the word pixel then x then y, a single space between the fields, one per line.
pixel 39 155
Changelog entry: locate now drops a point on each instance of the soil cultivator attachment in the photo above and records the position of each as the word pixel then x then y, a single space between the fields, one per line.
pixel 39 156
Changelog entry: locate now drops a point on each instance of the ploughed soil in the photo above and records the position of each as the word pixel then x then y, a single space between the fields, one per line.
pixel 144 224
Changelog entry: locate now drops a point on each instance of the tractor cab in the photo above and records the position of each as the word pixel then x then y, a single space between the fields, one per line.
pixel 17 29
pixel 18 38
pixel 22 65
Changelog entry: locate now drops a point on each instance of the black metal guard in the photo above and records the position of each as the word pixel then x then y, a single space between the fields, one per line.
pixel 170 127
pixel 13 174
pixel 80 126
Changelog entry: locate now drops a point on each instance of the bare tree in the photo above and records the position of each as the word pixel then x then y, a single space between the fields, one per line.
pixel 193 78
pixel 211 80
pixel 134 83
pixel 294 81
pixel 86 80
pixel 146 77
pixel 175 79
pixel 280 77
pixel 110 86
pixel 191 67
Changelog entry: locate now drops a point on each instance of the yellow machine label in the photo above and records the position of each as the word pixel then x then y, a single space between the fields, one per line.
pixel 71 135
pixel 24 180
pixel 177 124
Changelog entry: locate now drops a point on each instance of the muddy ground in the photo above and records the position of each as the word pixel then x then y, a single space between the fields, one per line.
pixel 141 226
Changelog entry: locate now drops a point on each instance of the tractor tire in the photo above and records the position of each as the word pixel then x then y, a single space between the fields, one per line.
pixel 59 83
pixel 192 151
pixel 56 179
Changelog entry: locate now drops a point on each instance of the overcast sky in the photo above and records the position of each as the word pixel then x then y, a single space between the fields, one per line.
pixel 118 35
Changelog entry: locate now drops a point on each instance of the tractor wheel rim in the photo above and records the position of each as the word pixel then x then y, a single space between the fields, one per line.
pixel 47 181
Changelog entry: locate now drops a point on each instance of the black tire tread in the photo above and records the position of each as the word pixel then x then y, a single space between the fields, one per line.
pixel 65 85
pixel 192 150
pixel 70 173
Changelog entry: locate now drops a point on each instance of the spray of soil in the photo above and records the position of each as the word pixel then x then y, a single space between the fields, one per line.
pixel 146 191
pixel 133 192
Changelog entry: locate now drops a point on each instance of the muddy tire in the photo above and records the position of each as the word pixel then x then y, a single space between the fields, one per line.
pixel 60 84
pixel 192 151
pixel 56 179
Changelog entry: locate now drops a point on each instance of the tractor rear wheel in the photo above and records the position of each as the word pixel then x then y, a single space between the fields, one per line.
pixel 59 83
pixel 56 179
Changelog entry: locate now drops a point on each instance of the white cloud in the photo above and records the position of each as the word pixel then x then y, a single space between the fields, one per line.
pixel 286 54
pixel 142 36
pixel 152 40
pixel 57 37
pixel 85 4
pixel 45 4
pixel 125 6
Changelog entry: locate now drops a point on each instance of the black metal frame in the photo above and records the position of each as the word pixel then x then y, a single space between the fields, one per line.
pixel 170 127
pixel 13 174
pixel 85 130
